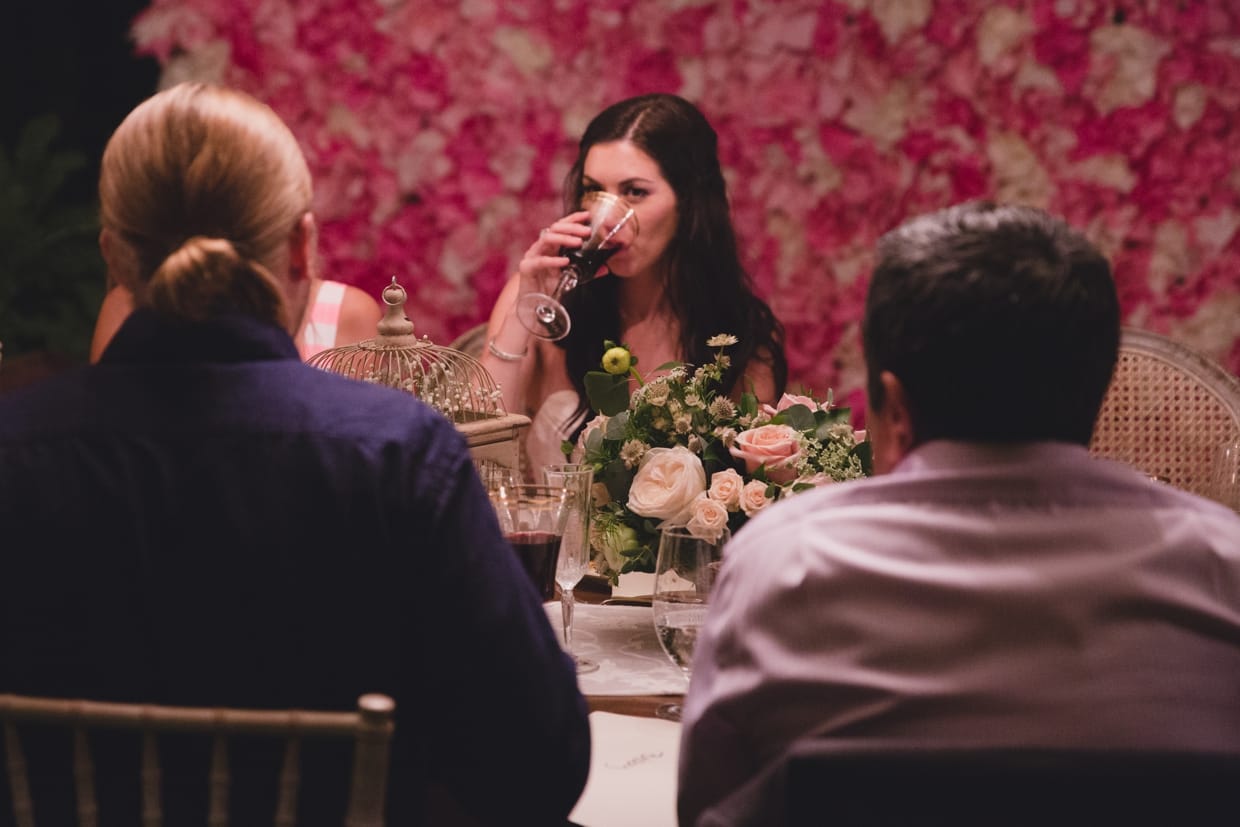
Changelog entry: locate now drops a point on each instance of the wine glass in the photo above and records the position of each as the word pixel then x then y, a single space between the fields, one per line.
pixel 613 225
pixel 532 518
pixel 494 473
pixel 575 547
pixel 684 574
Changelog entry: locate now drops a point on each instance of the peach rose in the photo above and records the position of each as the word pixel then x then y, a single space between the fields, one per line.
pixel 725 488
pixel 787 401
pixel 708 520
pixel 778 447
pixel 599 494
pixel 666 484
pixel 753 497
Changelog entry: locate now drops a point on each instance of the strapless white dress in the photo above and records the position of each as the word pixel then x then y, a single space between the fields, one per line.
pixel 553 423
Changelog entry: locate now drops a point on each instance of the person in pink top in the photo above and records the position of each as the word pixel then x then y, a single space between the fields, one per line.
pixel 337 314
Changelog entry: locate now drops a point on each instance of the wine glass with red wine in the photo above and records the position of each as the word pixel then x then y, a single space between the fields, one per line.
pixel 532 518
pixel 613 225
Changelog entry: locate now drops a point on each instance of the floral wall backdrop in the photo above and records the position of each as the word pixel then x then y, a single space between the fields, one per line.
pixel 439 134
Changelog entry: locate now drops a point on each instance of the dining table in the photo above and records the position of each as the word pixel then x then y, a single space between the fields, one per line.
pixel 632 748
pixel 635 675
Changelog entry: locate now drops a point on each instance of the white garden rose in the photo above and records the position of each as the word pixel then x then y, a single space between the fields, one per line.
pixel 753 497
pixel 708 520
pixel 725 488
pixel 667 482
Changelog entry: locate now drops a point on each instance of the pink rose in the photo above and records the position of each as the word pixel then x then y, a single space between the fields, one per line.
pixel 753 497
pixel 725 488
pixel 778 447
pixel 708 520
pixel 787 401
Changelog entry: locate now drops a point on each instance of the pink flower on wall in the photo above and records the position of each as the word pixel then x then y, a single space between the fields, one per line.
pixel 439 134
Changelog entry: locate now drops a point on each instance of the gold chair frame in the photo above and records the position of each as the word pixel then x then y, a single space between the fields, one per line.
pixel 370 727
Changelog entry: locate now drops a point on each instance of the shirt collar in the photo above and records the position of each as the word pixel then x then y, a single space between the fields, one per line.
pixel 957 454
pixel 150 337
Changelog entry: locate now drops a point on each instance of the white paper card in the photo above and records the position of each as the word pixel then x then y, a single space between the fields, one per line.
pixel 632 779
pixel 634 584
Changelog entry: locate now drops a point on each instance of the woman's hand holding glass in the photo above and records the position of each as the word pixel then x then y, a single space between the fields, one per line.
pixel 582 243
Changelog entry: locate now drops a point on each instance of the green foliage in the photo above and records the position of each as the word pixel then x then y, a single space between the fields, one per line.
pixel 51 273
pixel 608 392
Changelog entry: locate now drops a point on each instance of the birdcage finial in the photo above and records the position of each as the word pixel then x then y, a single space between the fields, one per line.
pixel 395 328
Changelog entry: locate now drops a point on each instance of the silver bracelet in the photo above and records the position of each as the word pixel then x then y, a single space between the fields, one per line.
pixel 505 355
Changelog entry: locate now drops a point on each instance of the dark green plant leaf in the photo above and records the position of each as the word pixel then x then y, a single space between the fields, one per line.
pixel 616 426
pixel 617 478
pixel 608 394
pixel 865 455
pixel 51 274
pixel 797 416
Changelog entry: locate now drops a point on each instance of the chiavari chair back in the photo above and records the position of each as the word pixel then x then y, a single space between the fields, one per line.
pixel 369 727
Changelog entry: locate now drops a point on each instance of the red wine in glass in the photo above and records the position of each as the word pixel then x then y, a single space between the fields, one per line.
pixel 586 263
pixel 538 551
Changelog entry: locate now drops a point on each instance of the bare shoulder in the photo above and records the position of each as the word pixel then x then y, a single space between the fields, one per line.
pixel 359 317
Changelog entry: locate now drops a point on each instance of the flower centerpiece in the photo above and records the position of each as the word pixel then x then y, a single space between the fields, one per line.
pixel 677 452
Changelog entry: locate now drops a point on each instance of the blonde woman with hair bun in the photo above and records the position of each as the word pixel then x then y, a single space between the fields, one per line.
pixel 200 518
pixel 250 188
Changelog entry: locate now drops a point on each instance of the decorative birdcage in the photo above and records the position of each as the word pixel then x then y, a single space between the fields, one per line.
pixel 454 383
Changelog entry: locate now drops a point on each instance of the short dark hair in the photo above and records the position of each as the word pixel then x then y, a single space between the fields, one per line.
pixel 1001 323
pixel 707 288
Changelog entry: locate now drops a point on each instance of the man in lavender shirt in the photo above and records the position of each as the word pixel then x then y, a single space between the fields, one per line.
pixel 995 585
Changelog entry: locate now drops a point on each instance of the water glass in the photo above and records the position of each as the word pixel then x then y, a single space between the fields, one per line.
pixel 684 576
pixel 575 546
pixel 1225 475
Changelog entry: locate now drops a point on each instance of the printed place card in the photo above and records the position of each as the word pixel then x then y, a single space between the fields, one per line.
pixel 632 773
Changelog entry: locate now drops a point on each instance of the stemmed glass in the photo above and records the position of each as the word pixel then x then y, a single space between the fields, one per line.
pixel 684 575
pixel 613 225
pixel 575 547
pixel 532 518
pixel 1225 475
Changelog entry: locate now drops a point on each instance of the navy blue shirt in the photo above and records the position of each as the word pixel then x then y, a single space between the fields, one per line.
pixel 202 519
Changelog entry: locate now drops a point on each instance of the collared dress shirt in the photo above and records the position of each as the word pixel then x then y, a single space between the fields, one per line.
pixel 985 595
pixel 202 519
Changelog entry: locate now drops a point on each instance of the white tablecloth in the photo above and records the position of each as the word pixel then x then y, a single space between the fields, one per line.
pixel 622 641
